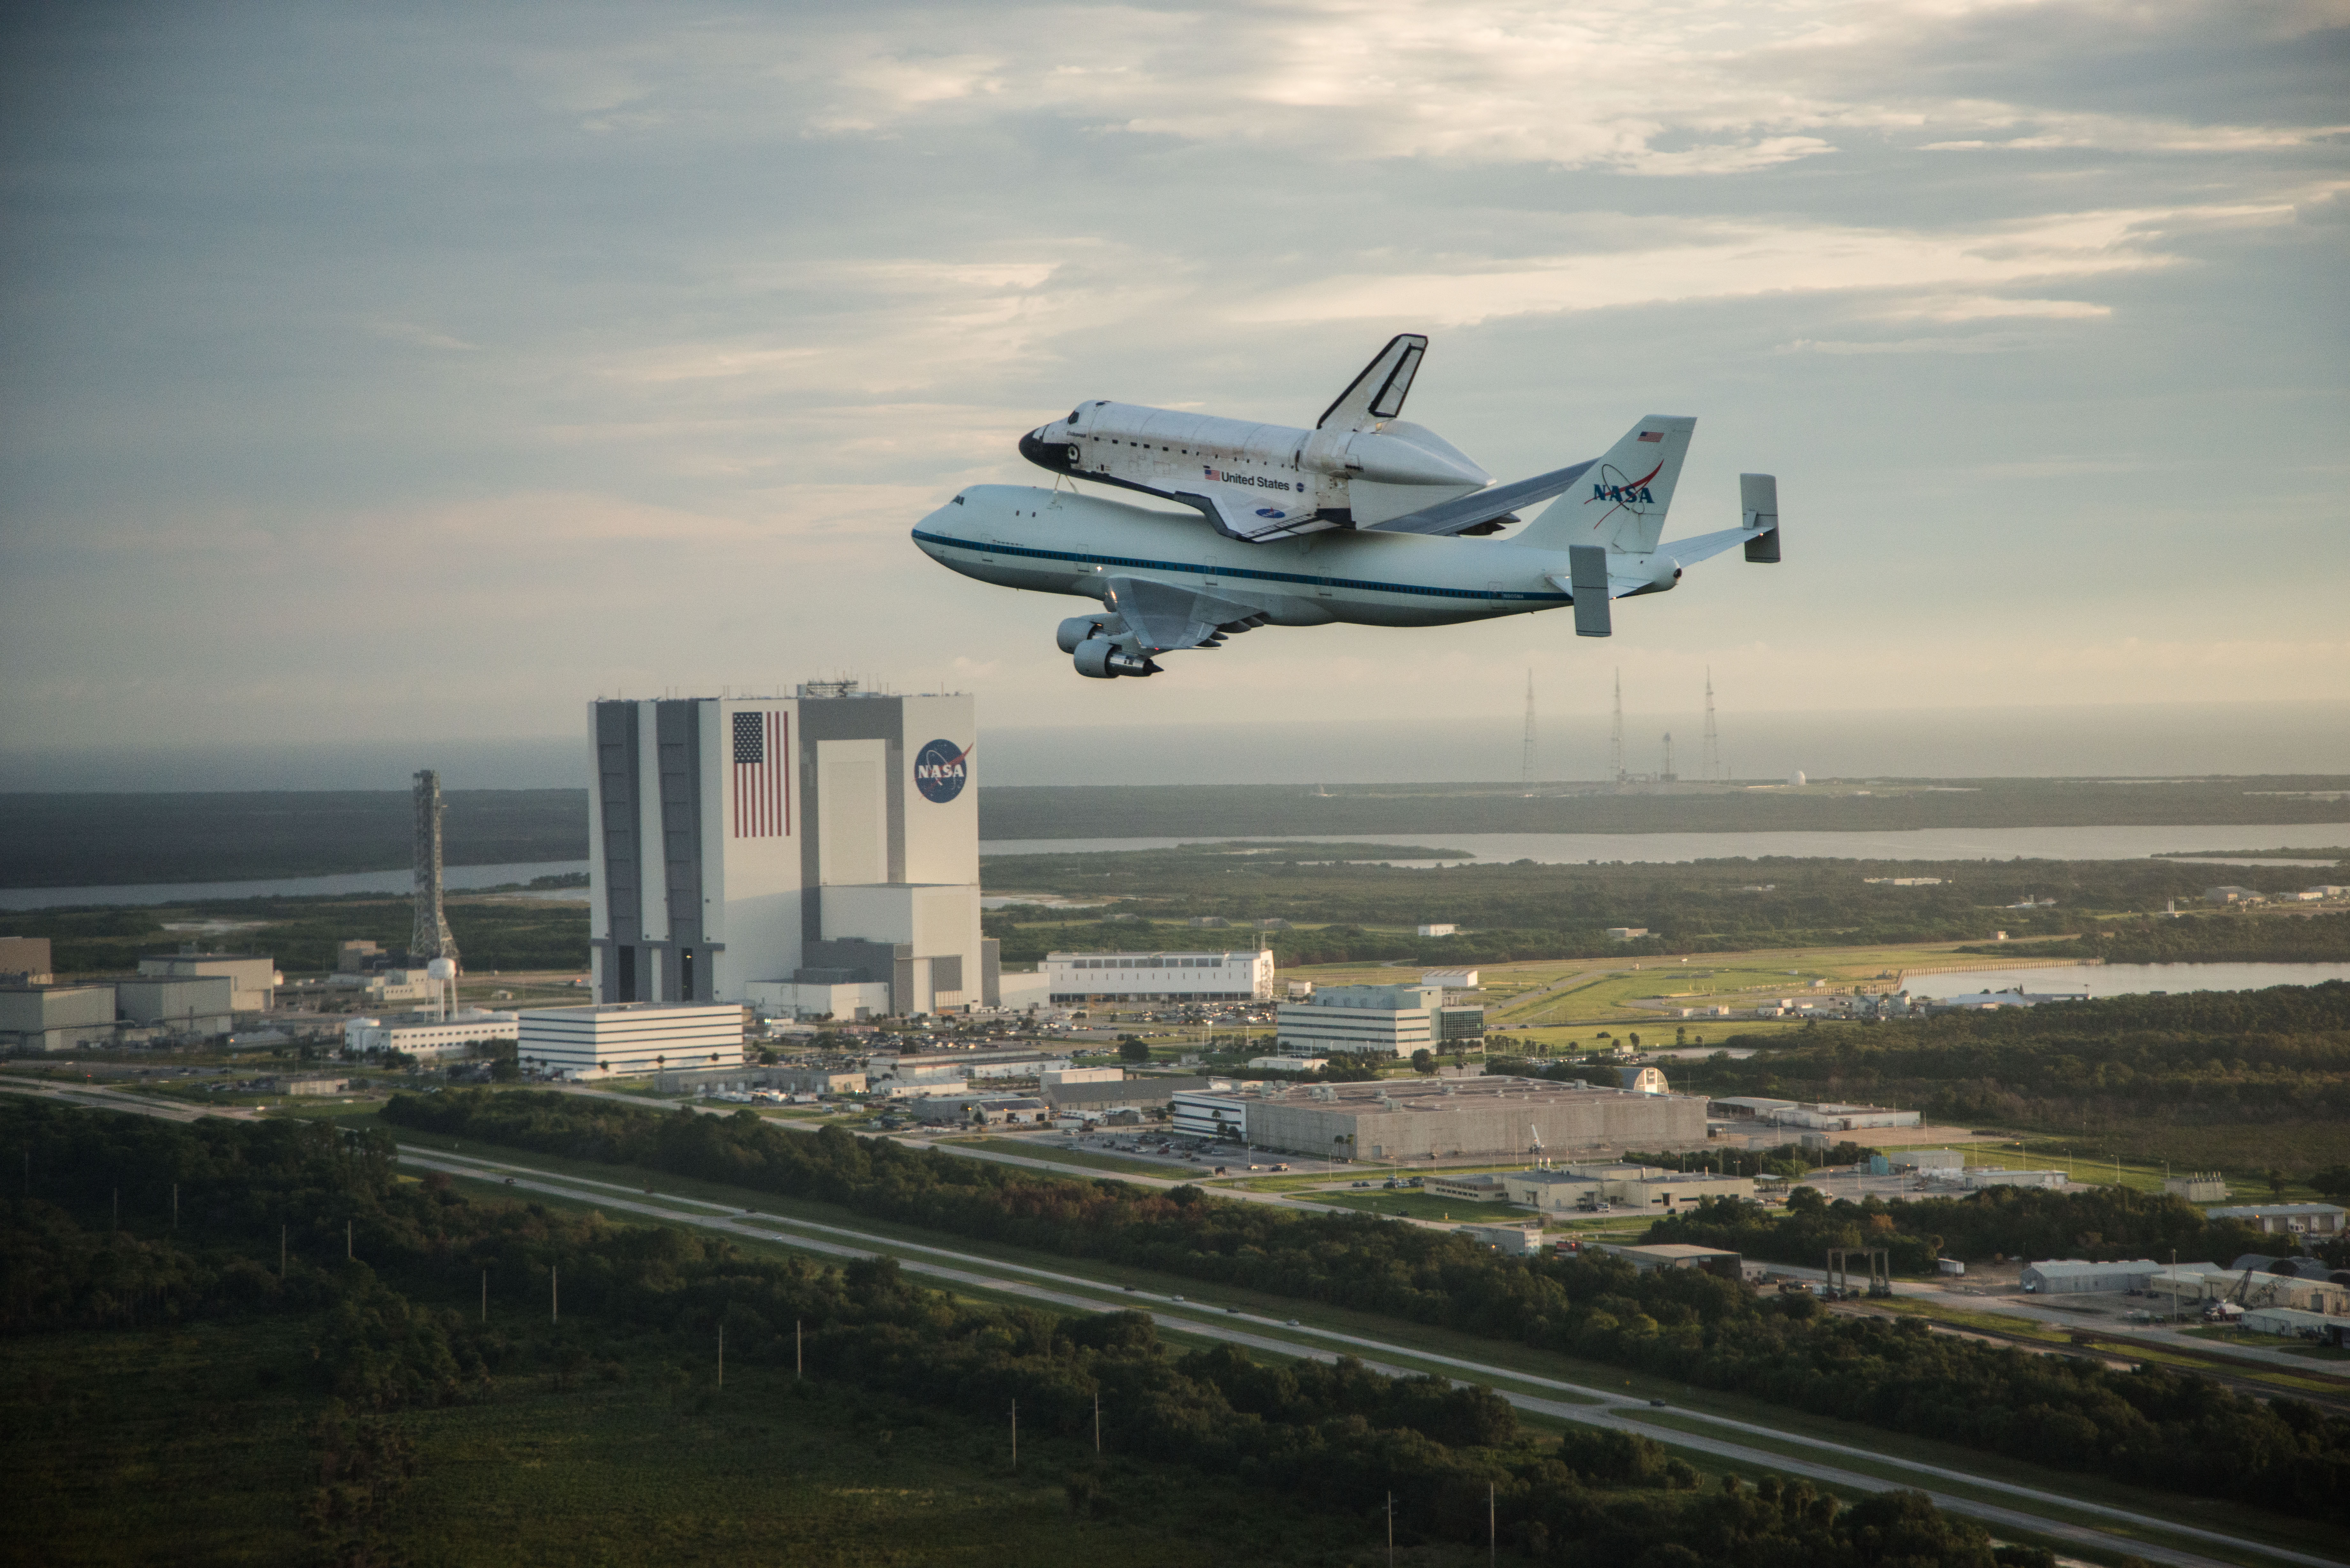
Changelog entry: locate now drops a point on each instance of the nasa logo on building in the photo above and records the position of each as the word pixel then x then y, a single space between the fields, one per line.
pixel 940 770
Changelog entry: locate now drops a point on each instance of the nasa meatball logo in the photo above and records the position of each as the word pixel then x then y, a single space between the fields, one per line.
pixel 940 770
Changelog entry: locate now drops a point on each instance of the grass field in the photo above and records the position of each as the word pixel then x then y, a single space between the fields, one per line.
pixel 1082 1160
pixel 194 1446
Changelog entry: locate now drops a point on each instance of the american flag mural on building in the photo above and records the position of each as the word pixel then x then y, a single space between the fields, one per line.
pixel 763 777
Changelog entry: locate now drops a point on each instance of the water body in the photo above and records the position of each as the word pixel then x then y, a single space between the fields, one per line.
pixel 1920 844
pixel 2128 979
pixel 454 877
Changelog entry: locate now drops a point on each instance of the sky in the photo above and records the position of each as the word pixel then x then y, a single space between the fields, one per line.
pixel 389 375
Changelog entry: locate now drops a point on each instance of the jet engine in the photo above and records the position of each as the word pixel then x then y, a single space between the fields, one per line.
pixel 1078 628
pixel 1102 659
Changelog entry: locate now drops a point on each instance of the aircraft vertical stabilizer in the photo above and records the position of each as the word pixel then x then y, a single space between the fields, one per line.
pixel 1620 502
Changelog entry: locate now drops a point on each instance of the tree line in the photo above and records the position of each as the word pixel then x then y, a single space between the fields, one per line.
pixel 2144 1426
pixel 1332 1438
pixel 2206 1056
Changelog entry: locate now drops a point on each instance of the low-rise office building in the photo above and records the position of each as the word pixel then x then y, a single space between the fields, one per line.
pixel 185 1005
pixel 628 1038
pixel 1073 980
pixel 253 978
pixel 1441 1119
pixel 428 1036
pixel 1587 1188
pixel 55 1017
pixel 1009 1110
pixel 1384 1021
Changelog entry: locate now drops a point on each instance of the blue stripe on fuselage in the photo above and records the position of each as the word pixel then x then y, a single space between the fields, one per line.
pixel 992 547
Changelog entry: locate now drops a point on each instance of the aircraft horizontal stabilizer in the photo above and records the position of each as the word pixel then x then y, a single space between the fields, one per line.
pixel 1494 502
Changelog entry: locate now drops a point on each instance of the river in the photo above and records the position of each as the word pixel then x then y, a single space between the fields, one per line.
pixel 1919 844
pixel 454 877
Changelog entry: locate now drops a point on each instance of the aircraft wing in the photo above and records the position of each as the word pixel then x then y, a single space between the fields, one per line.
pixel 1164 618
pixel 1494 502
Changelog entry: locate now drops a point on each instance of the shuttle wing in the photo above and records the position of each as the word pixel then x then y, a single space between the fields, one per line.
pixel 1486 506
pixel 1252 518
pixel 1164 618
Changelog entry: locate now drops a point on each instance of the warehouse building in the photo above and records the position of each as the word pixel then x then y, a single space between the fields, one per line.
pixel 1588 1187
pixel 191 1004
pixel 2077 1276
pixel 55 1017
pixel 1441 1119
pixel 426 1035
pixel 2283 1218
pixel 1074 978
pixel 822 848
pixel 1386 1021
pixel 1811 1116
pixel 628 1038
pixel 24 961
pixel 253 978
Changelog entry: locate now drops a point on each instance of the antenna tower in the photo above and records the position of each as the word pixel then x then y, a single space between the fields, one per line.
pixel 1615 735
pixel 1712 758
pixel 1669 776
pixel 1526 760
pixel 430 939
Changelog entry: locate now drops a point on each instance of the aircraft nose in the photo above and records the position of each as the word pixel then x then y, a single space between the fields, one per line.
pixel 1053 454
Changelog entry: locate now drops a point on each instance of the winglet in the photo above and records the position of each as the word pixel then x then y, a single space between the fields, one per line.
pixel 1378 392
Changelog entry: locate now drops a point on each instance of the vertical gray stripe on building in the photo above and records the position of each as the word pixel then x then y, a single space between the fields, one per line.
pixel 615 779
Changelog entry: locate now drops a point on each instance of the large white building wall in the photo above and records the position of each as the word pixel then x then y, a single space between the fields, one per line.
pixel 942 840
pixel 654 977
pixel 751 886
pixel 851 781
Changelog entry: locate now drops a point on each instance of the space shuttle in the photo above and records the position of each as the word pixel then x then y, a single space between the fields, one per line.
pixel 1366 519
pixel 1362 465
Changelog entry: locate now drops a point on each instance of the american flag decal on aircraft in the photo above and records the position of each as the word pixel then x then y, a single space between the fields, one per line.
pixel 763 780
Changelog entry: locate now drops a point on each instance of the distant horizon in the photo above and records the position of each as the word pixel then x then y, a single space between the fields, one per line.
pixel 2183 740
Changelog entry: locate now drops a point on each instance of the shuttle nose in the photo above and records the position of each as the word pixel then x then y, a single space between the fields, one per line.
pixel 1057 455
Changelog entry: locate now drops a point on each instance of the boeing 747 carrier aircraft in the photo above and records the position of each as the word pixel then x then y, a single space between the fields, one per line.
pixel 1366 518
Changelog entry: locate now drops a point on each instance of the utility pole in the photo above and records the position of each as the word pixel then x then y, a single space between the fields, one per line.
pixel 1615 735
pixel 722 1355
pixel 1015 1434
pixel 1712 758
pixel 1526 761
pixel 1390 1530
pixel 799 1358
pixel 1492 1532
pixel 348 1253
pixel 554 1296
pixel 1097 1420
pixel 485 1295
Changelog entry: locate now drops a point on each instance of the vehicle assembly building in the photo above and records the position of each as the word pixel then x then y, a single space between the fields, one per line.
pixel 1443 1118
pixel 813 854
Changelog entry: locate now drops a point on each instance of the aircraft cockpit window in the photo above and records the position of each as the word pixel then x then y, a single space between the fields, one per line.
pixel 1074 413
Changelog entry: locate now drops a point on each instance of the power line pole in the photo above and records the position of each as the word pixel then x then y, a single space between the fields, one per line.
pixel 1390 1530
pixel 799 1359
pixel 1615 735
pixel 722 1355
pixel 554 1295
pixel 1015 1434
pixel 1097 1420
pixel 1712 758
pixel 1526 761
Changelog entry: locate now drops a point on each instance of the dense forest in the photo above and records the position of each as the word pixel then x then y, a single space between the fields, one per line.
pixel 1145 899
pixel 1336 1438
pixel 2231 938
pixel 494 933
pixel 2104 1222
pixel 2281 1053
pixel 104 840
pixel 2150 1424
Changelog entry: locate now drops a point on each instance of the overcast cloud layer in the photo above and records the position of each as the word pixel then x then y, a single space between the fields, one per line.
pixel 389 372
